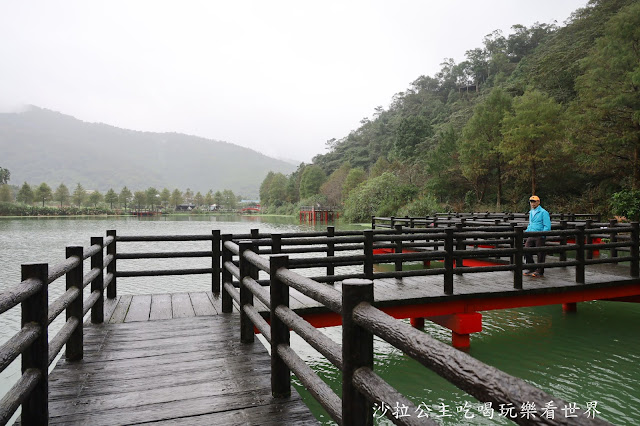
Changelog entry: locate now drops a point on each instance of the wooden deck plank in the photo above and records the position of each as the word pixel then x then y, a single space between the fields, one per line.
pixel 216 301
pixel 120 312
pixel 187 371
pixel 139 309
pixel 181 305
pixel 202 304
pixel 109 307
pixel 160 307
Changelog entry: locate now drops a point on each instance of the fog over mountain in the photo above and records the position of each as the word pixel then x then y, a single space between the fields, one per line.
pixel 39 145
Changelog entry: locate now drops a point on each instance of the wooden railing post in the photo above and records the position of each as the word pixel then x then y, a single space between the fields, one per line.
pixel 246 296
pixel 613 236
pixel 74 347
pixel 215 261
pixel 357 352
pixel 435 240
pixel 448 261
pixel 227 256
pixel 112 291
pixel 459 244
pixel 587 226
pixel 331 246
pixel 635 250
pixel 398 248
pixel 35 309
pixel 279 293
pixel 255 234
pixel 368 253
pixel 97 261
pixel 563 240
pixel 517 244
pixel 580 254
pixel 393 222
pixel 373 222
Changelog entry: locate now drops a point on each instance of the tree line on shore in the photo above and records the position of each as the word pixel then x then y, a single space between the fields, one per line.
pixel 14 199
pixel 546 110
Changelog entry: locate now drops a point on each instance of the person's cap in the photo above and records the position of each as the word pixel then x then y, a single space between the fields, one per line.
pixel 534 198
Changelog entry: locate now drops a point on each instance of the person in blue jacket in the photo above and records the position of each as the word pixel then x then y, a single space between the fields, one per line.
pixel 539 220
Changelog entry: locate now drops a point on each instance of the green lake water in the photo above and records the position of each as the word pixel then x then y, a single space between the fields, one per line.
pixel 589 356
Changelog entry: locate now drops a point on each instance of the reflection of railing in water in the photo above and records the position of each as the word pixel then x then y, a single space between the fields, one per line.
pixel 242 257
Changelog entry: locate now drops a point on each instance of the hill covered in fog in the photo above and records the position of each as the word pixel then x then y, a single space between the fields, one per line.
pixel 40 145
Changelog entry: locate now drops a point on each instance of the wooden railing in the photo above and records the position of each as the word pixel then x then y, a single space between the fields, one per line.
pixel 477 219
pixel 237 263
pixel 361 386
pixel 32 340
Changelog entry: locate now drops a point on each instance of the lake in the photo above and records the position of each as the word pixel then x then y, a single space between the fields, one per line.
pixel 590 356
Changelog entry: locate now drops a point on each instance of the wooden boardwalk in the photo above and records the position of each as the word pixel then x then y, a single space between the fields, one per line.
pixel 388 292
pixel 184 370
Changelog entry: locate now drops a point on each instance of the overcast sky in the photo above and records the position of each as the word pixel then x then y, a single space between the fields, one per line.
pixel 281 77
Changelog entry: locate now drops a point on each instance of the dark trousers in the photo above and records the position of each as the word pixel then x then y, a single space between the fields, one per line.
pixel 528 257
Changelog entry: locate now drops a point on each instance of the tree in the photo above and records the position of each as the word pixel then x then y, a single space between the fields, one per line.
pixel 265 187
pixel 140 199
pixel 5 176
pixel 25 194
pixel 277 195
pixel 165 196
pixel 95 197
pixel 532 135
pixel 608 104
pixel 208 198
pixel 153 196
pixel 381 165
pixel 188 195
pixel 410 132
pixel 43 192
pixel 6 195
pixel 229 199
pixel 217 198
pixel 125 197
pixel 111 197
pixel 382 195
pixel 480 159
pixel 311 180
pixel 79 196
pixel 332 188
pixel 62 194
pixel 355 177
pixel 176 197
pixel 199 199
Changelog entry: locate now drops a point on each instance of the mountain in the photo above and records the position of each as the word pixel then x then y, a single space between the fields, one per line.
pixel 40 145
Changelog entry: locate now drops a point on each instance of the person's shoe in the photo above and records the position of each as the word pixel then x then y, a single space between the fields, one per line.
pixel 527 273
pixel 537 275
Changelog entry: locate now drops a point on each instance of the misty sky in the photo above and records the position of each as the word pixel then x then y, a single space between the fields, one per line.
pixel 281 77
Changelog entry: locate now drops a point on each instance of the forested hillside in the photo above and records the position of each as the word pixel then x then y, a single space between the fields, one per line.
pixel 551 110
pixel 40 145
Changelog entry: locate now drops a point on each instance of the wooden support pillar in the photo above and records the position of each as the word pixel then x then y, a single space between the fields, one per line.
pixel 461 326
pixel 247 270
pixel 74 346
pixel 215 261
pixel 35 407
pixel 111 268
pixel 227 256
pixel 357 352
pixel 279 293
pixel 97 262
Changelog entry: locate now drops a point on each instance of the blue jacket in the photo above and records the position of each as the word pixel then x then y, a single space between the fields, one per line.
pixel 539 220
